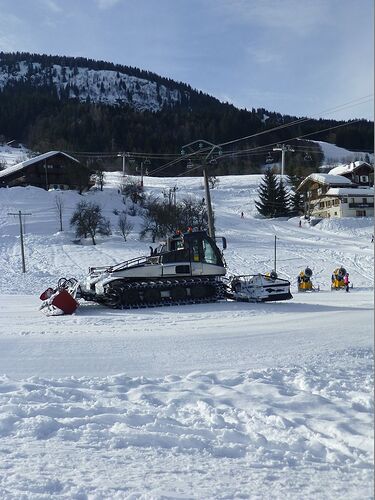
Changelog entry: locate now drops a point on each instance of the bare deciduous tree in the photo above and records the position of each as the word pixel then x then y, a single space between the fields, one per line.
pixel 89 221
pixel 59 205
pixel 163 218
pixel 133 190
pixel 124 225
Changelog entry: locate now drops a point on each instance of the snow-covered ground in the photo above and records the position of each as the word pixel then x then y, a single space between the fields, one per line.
pixel 224 400
pixel 10 155
pixel 335 155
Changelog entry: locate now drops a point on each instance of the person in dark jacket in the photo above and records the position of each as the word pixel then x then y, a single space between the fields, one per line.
pixel 346 282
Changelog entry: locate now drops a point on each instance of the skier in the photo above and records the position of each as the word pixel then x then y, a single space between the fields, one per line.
pixel 347 282
pixel 300 223
pixel 372 239
pixel 242 215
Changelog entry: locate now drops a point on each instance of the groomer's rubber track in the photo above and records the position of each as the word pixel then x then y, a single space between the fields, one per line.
pixel 122 295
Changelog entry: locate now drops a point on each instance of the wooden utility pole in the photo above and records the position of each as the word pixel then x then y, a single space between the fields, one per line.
pixel 274 259
pixel 20 214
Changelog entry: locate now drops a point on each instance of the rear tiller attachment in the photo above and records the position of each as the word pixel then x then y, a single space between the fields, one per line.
pixel 258 288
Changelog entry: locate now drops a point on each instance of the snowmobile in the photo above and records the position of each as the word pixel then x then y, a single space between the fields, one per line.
pixel 304 281
pixel 337 279
pixel 186 269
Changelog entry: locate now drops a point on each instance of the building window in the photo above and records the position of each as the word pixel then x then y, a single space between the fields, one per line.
pixel 364 200
pixel 356 178
pixel 321 204
pixel 328 204
pixel 364 178
pixel 335 213
pixel 360 213
pixel 345 200
pixel 337 202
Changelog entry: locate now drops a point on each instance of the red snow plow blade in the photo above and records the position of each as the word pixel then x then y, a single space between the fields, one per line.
pixel 61 300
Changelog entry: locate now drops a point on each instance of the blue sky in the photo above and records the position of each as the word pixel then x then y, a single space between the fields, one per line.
pixel 299 57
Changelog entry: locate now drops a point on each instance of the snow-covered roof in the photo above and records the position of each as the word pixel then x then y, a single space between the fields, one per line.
pixel 340 170
pixel 350 192
pixel 345 169
pixel 327 179
pixel 36 159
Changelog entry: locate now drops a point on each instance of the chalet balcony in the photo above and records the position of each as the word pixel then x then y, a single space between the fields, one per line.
pixel 361 205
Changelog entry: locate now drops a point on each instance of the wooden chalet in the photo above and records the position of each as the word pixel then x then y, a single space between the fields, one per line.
pixel 52 170
pixel 359 172
pixel 330 195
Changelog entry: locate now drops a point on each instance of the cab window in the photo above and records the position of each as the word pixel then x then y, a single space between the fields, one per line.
pixel 195 251
pixel 209 254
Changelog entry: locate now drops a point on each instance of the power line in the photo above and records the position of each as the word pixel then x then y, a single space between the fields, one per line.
pixel 353 102
pixel 303 120
pixel 299 137
pixel 175 159
pixel 254 149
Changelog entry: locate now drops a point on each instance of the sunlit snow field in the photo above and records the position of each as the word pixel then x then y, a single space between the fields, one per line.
pixel 223 400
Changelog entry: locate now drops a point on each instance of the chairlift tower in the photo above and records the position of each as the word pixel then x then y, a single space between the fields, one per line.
pixel 284 149
pixel 123 155
pixel 203 146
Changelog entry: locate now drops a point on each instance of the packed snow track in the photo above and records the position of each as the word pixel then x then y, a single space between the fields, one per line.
pixel 217 400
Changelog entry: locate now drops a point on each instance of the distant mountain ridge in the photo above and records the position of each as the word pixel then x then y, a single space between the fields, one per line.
pixel 96 81
pixel 95 86
pixel 78 104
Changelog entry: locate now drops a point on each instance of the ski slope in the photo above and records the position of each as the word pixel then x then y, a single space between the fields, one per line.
pixel 224 400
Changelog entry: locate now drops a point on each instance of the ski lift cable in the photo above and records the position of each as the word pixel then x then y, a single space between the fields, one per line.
pixel 299 137
pixel 257 148
pixel 354 102
pixel 302 120
pixel 177 158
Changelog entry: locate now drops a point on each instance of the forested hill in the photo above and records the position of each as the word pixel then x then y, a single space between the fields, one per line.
pixel 78 104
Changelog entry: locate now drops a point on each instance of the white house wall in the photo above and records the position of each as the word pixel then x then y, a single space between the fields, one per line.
pixel 343 209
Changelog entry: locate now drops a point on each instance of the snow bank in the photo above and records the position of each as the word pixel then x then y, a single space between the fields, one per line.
pixel 304 419
pixel 348 226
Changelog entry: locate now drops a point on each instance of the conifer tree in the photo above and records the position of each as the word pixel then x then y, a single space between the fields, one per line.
pixel 282 200
pixel 267 190
pixel 296 198
pixel 296 203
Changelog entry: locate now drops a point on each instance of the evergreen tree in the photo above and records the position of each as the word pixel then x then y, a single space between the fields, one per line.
pixel 296 198
pixel 296 203
pixel 282 200
pixel 268 192
pixel 295 180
